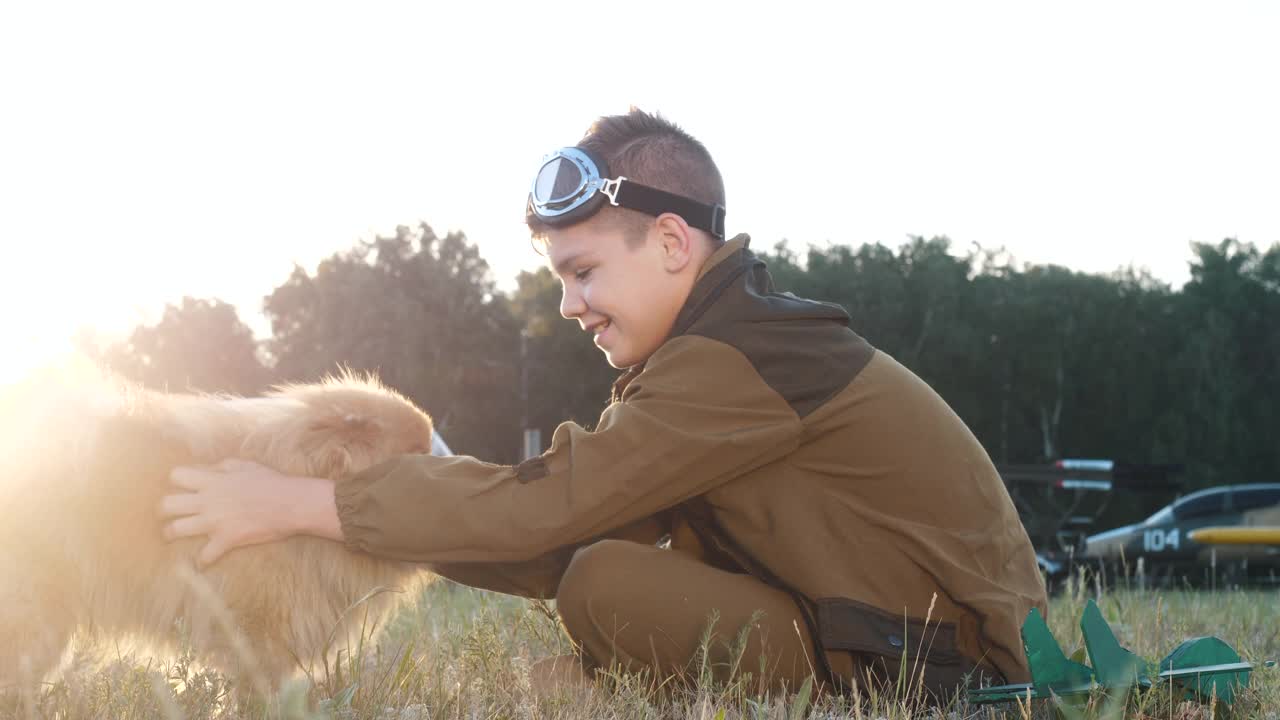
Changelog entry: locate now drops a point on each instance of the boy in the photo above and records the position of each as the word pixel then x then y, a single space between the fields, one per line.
pixel 805 484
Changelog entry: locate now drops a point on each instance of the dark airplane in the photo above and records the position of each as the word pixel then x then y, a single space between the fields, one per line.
pixel 1164 545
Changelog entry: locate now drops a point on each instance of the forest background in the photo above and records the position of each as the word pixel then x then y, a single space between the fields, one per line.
pixel 1040 361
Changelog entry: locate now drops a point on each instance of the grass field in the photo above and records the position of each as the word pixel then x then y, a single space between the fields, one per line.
pixel 462 653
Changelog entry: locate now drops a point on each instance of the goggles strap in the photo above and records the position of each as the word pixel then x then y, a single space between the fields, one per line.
pixel 653 201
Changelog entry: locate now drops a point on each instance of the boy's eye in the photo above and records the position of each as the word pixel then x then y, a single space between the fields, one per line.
pixel 582 274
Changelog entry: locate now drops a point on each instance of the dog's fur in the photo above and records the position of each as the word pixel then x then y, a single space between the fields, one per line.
pixel 83 465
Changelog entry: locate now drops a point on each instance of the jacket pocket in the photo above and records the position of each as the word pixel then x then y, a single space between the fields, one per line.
pixel 845 624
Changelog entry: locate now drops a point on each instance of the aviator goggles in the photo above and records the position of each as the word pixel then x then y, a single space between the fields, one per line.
pixel 573 184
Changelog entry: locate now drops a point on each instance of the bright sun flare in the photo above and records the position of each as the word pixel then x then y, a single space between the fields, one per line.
pixel 31 351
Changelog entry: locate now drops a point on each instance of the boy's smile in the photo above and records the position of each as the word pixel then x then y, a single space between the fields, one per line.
pixel 625 284
pixel 600 332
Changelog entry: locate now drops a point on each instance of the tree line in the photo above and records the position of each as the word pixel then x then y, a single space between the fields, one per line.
pixel 1042 362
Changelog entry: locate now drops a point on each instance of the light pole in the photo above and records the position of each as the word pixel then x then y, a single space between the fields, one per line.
pixel 532 436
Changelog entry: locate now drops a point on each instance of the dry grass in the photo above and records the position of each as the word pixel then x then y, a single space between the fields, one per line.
pixel 462 653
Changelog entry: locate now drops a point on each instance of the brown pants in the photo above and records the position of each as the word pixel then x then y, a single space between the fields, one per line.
pixel 644 607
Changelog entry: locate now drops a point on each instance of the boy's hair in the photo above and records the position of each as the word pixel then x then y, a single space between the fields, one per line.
pixel 654 151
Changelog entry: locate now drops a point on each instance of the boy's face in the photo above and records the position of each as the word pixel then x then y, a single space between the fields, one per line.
pixel 627 298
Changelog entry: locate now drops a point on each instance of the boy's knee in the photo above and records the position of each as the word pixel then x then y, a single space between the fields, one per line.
pixel 594 576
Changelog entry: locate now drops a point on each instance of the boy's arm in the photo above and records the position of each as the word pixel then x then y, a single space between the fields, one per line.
pixel 697 417
pixel 540 577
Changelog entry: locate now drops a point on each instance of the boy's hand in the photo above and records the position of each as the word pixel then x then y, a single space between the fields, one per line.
pixel 237 503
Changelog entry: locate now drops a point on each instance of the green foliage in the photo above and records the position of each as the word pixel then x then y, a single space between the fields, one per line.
pixel 421 312
pixel 460 653
pixel 1228 364
pixel 1042 362
pixel 200 345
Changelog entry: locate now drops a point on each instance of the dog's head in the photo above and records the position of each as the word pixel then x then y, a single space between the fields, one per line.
pixel 338 426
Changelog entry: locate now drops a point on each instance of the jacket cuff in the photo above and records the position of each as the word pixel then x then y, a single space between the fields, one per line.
pixel 351 498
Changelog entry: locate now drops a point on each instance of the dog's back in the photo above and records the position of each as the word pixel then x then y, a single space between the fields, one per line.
pixel 81 532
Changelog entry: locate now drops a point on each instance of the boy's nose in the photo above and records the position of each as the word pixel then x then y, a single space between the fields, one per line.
pixel 571 305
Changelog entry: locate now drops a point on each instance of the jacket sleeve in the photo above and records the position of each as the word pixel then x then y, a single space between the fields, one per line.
pixel 540 577
pixel 698 416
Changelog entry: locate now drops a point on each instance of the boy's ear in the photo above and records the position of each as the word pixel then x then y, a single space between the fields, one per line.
pixel 677 241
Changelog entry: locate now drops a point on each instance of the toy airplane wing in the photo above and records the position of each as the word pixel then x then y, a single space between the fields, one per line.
pixel 1052 672
pixel 1114 666
pixel 1206 666
pixel 1203 667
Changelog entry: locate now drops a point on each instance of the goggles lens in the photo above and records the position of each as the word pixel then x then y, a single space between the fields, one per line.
pixel 559 181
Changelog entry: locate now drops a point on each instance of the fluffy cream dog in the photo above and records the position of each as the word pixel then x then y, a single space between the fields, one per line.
pixel 83 465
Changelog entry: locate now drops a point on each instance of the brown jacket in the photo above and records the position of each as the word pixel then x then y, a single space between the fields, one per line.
pixel 764 433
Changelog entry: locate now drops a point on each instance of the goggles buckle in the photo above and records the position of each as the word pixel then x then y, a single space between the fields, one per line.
pixel 717 221
pixel 609 188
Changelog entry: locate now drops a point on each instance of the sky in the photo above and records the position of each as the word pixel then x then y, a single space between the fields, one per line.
pixel 150 151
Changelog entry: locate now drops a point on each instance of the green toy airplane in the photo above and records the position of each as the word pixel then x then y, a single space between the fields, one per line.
pixel 1203 666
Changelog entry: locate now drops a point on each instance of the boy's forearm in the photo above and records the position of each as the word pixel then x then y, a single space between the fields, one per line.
pixel 315 512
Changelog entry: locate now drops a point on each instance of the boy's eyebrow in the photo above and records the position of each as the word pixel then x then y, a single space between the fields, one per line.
pixel 566 262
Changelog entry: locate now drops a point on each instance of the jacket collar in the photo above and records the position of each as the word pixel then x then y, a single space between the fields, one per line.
pixel 741 241
pixel 720 270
